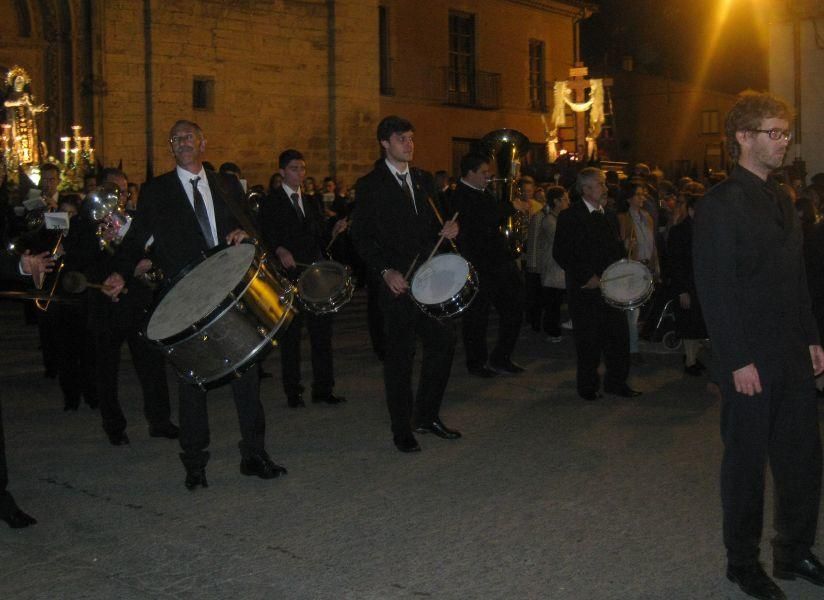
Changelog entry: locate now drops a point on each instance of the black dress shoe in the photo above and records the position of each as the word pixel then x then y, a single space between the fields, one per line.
pixel 406 443
pixel 295 401
pixel 590 396
pixel 437 427
pixel 809 568
pixel 119 439
pixel 328 399
pixel 71 404
pixel 506 368
pixel 18 519
pixel 484 372
pixel 165 430
pixel 196 477
pixel 624 391
pixel 261 466
pixel 754 582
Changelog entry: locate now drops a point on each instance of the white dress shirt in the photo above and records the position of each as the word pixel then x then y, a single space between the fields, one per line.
pixel 202 186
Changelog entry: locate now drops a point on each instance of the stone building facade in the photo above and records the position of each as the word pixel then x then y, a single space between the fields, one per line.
pixel 263 75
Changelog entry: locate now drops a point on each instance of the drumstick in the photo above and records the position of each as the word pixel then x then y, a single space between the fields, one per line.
pixel 440 220
pixel 440 239
pixel 624 276
pixel 412 266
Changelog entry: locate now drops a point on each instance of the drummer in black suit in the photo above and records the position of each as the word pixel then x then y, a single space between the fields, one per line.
pixel 293 226
pixel 394 228
pixel 499 281
pixel 187 212
pixel 586 243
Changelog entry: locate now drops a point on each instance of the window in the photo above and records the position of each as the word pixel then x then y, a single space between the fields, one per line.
pixel 709 121
pixel 385 60
pixel 461 76
pixel 203 93
pixel 537 84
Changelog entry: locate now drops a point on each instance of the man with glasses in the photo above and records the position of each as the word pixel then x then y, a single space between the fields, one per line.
pixel 750 278
pixel 187 213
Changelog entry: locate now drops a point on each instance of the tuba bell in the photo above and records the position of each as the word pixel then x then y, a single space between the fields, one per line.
pixel 507 148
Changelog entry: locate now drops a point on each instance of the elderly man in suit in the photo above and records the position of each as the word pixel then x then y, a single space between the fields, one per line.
pixel 292 225
pixel 13 268
pixel 750 277
pixel 393 227
pixel 586 243
pixel 187 212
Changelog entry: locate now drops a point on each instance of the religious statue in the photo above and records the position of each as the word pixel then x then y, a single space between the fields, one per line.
pixel 21 111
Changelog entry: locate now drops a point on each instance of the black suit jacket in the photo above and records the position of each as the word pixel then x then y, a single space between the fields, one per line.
pixel 480 239
pixel 749 272
pixel 164 211
pixel 386 230
pixel 585 244
pixel 281 226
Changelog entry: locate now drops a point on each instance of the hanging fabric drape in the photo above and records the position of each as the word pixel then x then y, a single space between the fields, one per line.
pixel 562 97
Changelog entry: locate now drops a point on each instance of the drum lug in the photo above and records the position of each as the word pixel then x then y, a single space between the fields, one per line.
pixel 262 331
pixel 169 351
pixel 226 361
pixel 240 307
pixel 204 337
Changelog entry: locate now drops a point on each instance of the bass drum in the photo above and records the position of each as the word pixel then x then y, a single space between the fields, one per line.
pixel 444 286
pixel 325 286
pixel 627 284
pixel 220 313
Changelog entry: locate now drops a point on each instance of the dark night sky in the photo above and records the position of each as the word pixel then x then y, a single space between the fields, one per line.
pixel 672 37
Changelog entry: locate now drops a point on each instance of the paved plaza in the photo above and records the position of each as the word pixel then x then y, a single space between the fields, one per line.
pixel 545 497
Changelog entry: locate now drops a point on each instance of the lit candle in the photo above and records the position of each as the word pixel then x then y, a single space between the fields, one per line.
pixel 66 141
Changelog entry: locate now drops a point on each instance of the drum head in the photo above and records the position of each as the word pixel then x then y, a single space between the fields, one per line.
pixel 626 283
pixel 322 281
pixel 200 291
pixel 440 278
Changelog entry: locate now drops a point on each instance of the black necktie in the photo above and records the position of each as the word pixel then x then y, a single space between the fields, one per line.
pixel 202 215
pixel 407 190
pixel 296 204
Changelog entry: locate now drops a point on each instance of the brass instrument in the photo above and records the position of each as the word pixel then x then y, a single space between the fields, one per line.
pixel 253 199
pixel 103 205
pixel 41 303
pixel 507 148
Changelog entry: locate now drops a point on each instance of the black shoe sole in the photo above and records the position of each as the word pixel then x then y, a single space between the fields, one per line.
pixel 792 575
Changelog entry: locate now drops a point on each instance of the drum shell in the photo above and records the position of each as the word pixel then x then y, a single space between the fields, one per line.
pixel 335 302
pixel 226 341
pixel 455 305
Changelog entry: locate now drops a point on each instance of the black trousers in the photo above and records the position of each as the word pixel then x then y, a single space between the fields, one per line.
pixel 320 340
pixel 151 372
pixel 404 322
pixel 779 427
pixel 504 290
pixel 75 353
pixel 552 298
pixel 7 504
pixel 375 316
pixel 534 307
pixel 598 329
pixel 194 419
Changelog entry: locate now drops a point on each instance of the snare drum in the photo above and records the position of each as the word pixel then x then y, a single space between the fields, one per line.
pixel 626 284
pixel 325 286
pixel 444 286
pixel 220 312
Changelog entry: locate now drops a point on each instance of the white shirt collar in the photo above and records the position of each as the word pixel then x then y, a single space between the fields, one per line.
pixel 394 169
pixel 592 208
pixel 467 184
pixel 289 191
pixel 187 176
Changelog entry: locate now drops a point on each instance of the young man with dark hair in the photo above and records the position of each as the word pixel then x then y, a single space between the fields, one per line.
pixel 499 281
pixel 394 227
pixel 750 278
pixel 293 227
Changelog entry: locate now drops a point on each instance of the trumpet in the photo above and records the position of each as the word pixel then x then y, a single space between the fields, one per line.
pixel 44 303
pixel 103 205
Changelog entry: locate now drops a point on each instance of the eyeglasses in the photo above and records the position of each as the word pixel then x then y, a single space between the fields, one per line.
pixel 177 139
pixel 776 134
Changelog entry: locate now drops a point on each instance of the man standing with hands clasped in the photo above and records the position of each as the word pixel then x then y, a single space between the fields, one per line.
pixel 750 278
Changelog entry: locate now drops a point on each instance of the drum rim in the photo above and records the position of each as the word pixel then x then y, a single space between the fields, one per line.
pixel 639 300
pixel 195 327
pixel 471 278
pixel 339 267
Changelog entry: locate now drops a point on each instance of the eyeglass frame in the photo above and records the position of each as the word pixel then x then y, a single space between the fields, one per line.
pixel 783 134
